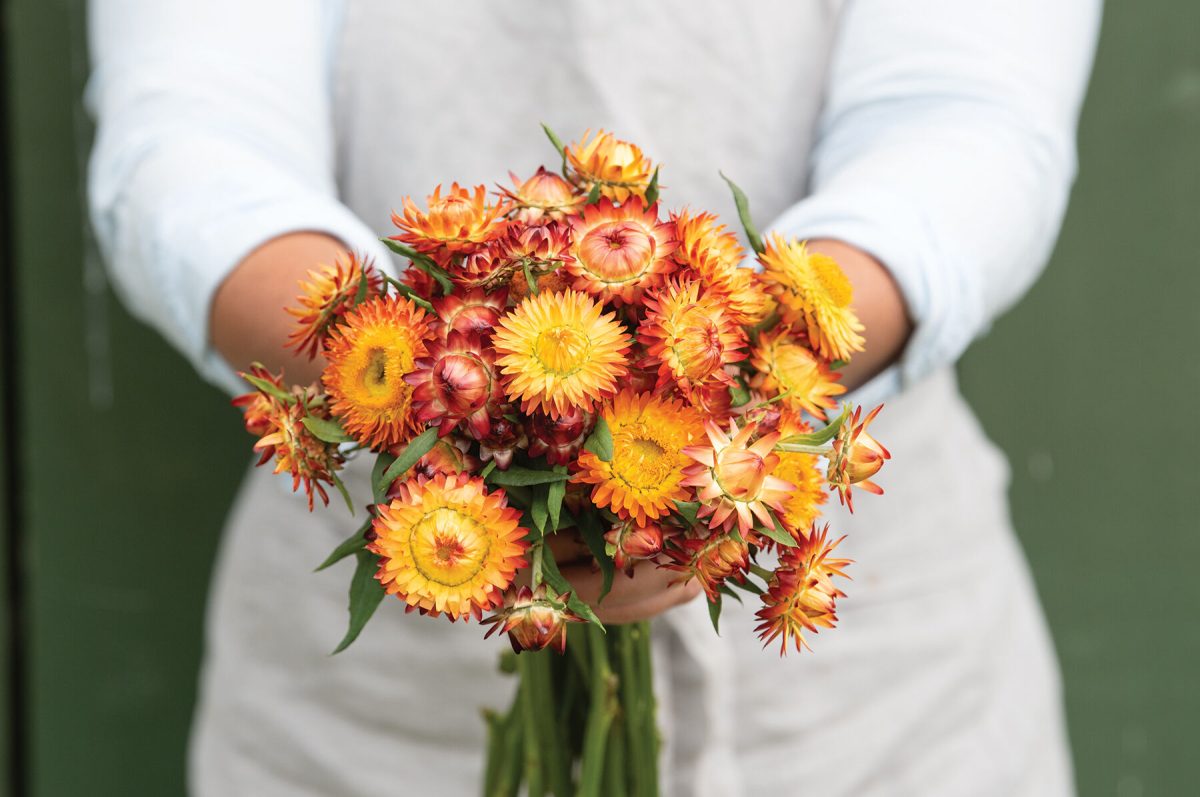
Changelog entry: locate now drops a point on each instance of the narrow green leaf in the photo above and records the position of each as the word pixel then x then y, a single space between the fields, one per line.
pixel 365 595
pixel 419 447
pixel 762 572
pixel 558 145
pixel 594 194
pixel 364 285
pixel 352 544
pixel 524 477
pixel 327 431
pixel 688 510
pixel 269 389
pixel 593 535
pixel 714 614
pixel 409 293
pixel 538 511
pixel 560 585
pixel 821 436
pixel 724 589
pixel 487 469
pixel 600 441
pixel 777 533
pixel 743 209
pixel 341 488
pixel 836 364
pixel 738 394
pixel 652 189
pixel 749 585
pixel 554 498
pixel 422 262
pixel 379 487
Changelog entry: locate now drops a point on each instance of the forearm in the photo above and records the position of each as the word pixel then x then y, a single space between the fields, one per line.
pixel 247 320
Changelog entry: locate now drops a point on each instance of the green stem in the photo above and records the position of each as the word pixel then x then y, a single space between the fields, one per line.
pixel 616 771
pixel 535 576
pixel 648 713
pixel 508 777
pixel 600 715
pixel 534 783
pixel 495 749
pixel 536 676
pixel 637 702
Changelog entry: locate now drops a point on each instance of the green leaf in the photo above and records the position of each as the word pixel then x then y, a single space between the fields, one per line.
pixel 714 614
pixel 748 585
pixel 269 388
pixel 409 293
pixel 593 535
pixel 364 285
pixel 538 511
pixel 738 394
pixel 724 589
pixel 379 487
pixel 652 189
pixel 525 477
pixel 365 595
pixel 600 441
pixel 554 498
pixel 422 262
pixel 419 447
pixel 743 209
pixel 836 364
pixel 594 194
pixel 778 534
pixel 341 488
pixel 821 436
pixel 487 469
pixel 326 431
pixel 560 585
pixel 558 145
pixel 688 510
pixel 352 544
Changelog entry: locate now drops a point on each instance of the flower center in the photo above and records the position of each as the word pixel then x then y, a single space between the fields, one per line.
pixel 448 547
pixel 832 280
pixel 640 460
pixel 562 350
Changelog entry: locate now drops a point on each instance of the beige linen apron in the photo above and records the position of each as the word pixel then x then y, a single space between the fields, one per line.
pixel 940 679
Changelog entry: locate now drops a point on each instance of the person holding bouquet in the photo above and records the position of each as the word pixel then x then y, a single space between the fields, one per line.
pixel 926 146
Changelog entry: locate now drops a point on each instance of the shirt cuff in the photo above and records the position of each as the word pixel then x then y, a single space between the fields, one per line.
pixel 214 253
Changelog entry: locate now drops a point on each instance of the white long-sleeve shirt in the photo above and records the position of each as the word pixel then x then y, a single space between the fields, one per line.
pixel 945 149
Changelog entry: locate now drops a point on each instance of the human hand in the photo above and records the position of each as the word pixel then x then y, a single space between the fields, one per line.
pixel 649 592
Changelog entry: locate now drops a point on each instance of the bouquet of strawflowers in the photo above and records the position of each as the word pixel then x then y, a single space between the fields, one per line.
pixel 561 359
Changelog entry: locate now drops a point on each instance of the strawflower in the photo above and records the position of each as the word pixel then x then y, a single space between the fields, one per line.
pixel 801 595
pixel 327 294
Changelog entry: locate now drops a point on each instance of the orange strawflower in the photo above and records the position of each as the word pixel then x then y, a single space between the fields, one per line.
pixel 644 477
pixel 541 249
pixel 620 251
pixel 543 195
pixel 711 560
pixel 449 546
pixel 457 382
pixel 814 294
pixel 783 365
pixel 856 457
pixel 801 596
pixel 533 619
pixel 459 223
pixel 732 477
pixel 327 294
pixel 713 254
pixel 282 434
pixel 618 167
pixel 559 350
pixel 690 337
pixel 369 356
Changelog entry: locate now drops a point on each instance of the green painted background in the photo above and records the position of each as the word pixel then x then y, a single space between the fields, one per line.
pixel 127 463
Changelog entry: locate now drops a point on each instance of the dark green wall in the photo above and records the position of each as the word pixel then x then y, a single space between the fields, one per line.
pixel 127 463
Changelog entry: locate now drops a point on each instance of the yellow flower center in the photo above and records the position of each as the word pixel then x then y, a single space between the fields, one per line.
pixel 832 280
pixel 374 376
pixel 448 547
pixel 562 350
pixel 641 460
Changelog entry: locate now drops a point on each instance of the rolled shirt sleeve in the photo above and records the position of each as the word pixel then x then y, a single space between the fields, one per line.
pixel 946 149
pixel 214 136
